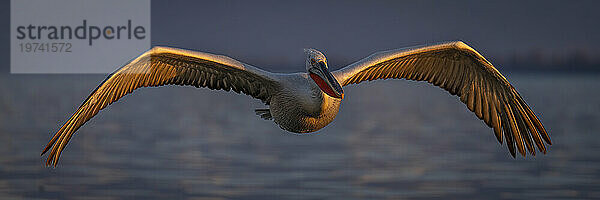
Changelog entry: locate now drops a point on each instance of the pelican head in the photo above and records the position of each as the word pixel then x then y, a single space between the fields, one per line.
pixel 316 66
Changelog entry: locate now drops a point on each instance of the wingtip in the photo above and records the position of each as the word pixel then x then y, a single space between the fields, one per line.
pixel 44 151
pixel 46 148
pixel 51 163
pixel 545 135
pixel 51 160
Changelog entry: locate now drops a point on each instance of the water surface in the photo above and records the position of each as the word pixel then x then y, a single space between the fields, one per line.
pixel 391 139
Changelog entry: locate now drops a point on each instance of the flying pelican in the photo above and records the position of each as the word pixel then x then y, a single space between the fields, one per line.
pixel 307 102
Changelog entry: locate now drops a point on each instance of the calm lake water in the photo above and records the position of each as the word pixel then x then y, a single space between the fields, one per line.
pixel 391 140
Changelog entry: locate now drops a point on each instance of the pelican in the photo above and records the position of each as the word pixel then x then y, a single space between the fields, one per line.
pixel 306 102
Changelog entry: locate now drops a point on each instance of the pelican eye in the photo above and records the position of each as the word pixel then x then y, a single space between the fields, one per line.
pixel 322 64
pixel 312 61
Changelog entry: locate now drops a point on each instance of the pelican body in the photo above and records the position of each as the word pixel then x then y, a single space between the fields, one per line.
pixel 307 102
pixel 300 106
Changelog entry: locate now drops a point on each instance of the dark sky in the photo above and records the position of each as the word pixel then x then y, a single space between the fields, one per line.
pixel 272 34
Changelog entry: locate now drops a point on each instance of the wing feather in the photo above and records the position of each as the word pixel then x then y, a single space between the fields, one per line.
pixel 478 101
pixel 496 122
pixel 462 71
pixel 163 66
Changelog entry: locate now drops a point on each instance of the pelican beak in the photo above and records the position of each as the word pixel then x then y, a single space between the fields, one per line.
pixel 325 80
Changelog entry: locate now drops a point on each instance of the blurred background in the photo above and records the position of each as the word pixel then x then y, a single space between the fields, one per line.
pixel 415 142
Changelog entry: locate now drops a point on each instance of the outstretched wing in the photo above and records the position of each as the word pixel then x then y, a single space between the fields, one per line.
pixel 163 66
pixel 462 71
